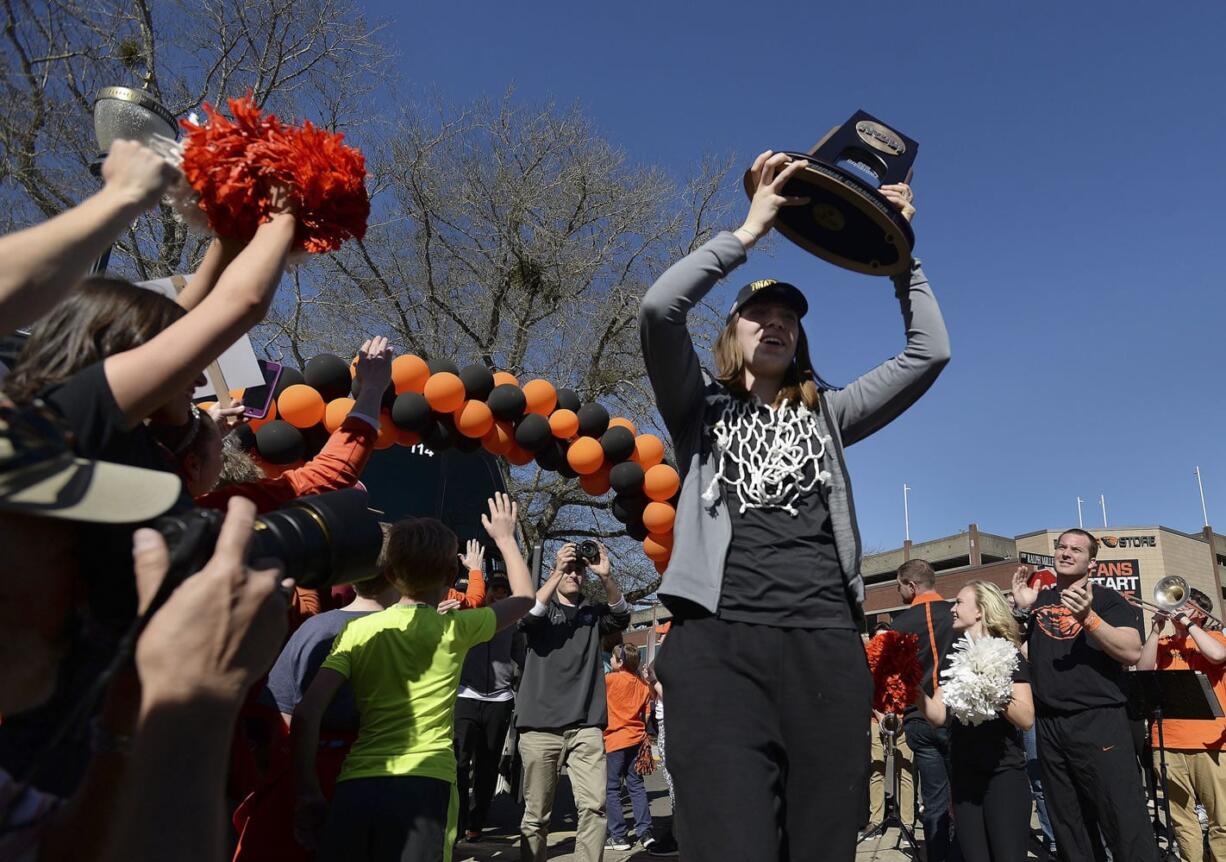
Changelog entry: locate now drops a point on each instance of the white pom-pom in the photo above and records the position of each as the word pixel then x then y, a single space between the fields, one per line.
pixel 979 680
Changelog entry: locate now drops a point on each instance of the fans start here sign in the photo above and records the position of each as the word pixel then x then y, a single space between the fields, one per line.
pixel 1121 575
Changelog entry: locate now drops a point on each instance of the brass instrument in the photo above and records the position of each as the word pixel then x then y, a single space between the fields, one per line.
pixel 1171 596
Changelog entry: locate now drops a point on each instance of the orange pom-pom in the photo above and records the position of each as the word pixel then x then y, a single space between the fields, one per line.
pixel 474 419
pixel 445 392
pixel 336 412
pixel 658 547
pixel 564 424
pixel 585 456
pixel 661 482
pixel 622 422
pixel 648 450
pixel 231 165
pixel 301 406
pixel 893 661
pixel 597 483
pixel 659 517
pixel 409 373
pixel 501 377
pixel 540 396
pixel 499 439
pixel 519 457
pixel 387 431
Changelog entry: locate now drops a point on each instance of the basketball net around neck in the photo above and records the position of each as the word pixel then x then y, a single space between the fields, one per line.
pixel 777 452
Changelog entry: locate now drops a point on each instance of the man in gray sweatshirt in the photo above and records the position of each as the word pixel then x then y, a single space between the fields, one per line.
pixel 561 712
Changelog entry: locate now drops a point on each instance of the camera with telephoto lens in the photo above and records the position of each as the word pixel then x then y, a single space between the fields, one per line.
pixel 588 551
pixel 321 540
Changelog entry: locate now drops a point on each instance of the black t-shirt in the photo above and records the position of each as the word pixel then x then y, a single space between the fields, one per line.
pixel 298 663
pixel 1070 671
pixel 990 747
pixel 783 569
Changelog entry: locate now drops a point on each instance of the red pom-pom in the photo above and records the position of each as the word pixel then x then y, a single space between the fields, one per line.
pixel 231 164
pixel 893 659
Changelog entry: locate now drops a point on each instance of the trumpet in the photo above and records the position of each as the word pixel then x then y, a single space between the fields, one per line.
pixel 1170 597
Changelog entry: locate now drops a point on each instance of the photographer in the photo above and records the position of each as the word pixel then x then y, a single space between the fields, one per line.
pixel 562 712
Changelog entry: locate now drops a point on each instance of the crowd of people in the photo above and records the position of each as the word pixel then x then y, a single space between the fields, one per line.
pixel 169 693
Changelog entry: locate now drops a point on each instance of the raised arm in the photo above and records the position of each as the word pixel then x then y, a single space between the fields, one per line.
pixel 42 263
pixel 473 560
pixel 179 354
pixel 220 254
pixel 1149 649
pixel 500 524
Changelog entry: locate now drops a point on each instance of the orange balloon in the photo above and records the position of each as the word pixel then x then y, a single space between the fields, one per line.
pixel 206 406
pixel 659 517
pixel 387 431
pixel 301 406
pixel 585 456
pixel 622 422
pixel 648 450
pixel 564 424
pixel 658 547
pixel 501 377
pixel 661 482
pixel 499 439
pixel 597 483
pixel 409 373
pixel 445 392
pixel 336 412
pixel 407 438
pixel 661 565
pixel 474 419
pixel 519 457
pixel 540 396
pixel 257 424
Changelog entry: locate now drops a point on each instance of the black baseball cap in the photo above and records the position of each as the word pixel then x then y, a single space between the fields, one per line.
pixel 769 288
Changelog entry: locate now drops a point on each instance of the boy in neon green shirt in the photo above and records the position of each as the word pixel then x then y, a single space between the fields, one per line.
pixel 395 798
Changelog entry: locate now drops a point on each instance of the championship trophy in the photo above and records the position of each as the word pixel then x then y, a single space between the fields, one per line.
pixel 847 221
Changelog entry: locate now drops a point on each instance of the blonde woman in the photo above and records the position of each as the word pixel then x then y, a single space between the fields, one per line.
pixel 991 792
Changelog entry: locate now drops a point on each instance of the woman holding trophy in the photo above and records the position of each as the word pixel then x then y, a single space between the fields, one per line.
pixel 769 690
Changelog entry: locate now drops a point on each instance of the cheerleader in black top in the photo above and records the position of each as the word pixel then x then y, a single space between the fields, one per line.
pixel 991 793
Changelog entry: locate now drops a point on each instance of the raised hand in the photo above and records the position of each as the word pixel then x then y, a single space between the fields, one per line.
pixel 565 558
pixel 374 366
pixel 601 567
pixel 473 557
pixel 227 418
pixel 136 173
pixel 502 519
pixel 900 195
pixel 1024 594
pixel 1078 600
pixel 771 172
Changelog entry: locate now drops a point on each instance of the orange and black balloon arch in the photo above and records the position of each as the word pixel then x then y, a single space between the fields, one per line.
pixel 441 406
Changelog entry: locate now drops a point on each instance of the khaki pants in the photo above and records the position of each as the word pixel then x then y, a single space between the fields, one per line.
pixel 904 761
pixel 544 752
pixel 1197 776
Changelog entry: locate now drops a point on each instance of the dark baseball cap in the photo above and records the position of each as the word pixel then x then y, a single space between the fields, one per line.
pixel 769 288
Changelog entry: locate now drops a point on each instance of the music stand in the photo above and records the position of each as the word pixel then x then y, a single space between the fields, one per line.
pixel 889 729
pixel 1184 695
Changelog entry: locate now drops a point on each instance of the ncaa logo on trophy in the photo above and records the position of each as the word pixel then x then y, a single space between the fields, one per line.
pixel 847 221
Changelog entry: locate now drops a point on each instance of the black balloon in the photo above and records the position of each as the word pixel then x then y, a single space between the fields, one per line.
pixel 478 381
pixel 617 443
pixel 437 366
pixel 533 433
pixel 279 442
pixel 439 435
pixel 551 457
pixel 636 531
pixel 628 509
pixel 566 470
pixel 627 478
pixel 593 420
pixel 568 399
pixel 411 412
pixel 507 402
pixel 243 437
pixel 289 377
pixel 329 375
pixel 389 396
pixel 314 439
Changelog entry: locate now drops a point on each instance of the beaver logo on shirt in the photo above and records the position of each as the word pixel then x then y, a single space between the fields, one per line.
pixel 1057 622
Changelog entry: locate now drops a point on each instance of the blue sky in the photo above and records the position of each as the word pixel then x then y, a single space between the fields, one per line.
pixel 1070 185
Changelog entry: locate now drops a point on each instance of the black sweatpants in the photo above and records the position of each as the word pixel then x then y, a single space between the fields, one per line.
pixel 1091 781
pixel 480 731
pixel 401 818
pixel 992 811
pixel 767 739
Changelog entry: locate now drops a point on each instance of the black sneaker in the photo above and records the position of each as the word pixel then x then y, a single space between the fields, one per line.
pixel 617 844
pixel 665 846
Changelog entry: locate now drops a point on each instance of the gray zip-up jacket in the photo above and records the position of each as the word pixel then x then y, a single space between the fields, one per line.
pixel 702 531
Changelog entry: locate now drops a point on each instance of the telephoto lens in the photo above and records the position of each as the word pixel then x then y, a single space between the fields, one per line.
pixel 589 551
pixel 321 540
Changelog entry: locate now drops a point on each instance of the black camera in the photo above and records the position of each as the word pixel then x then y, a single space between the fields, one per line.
pixel 588 551
pixel 321 540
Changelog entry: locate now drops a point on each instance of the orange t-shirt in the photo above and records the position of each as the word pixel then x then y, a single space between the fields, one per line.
pixel 1182 654
pixel 628 697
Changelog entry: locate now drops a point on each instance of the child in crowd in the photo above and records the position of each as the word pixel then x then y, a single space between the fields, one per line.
pixel 629 698
pixel 396 797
